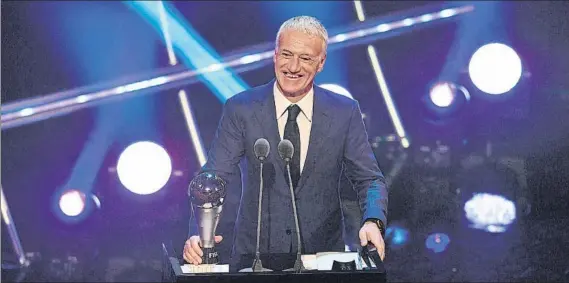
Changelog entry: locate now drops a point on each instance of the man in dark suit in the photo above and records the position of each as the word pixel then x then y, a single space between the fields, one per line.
pixel 328 135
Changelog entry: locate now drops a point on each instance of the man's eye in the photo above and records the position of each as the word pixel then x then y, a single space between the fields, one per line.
pixel 286 55
pixel 307 59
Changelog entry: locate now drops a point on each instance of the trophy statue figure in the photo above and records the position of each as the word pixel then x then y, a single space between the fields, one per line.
pixel 207 192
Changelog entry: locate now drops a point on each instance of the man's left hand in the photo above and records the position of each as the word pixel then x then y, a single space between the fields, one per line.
pixel 370 233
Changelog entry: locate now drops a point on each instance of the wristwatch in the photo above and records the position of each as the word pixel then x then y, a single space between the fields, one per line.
pixel 379 225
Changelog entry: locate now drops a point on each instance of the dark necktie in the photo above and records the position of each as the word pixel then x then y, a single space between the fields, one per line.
pixel 292 134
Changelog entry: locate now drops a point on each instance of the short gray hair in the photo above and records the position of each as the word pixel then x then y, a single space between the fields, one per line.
pixel 306 24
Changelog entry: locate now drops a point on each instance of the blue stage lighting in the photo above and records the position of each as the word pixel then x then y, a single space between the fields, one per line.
pixel 193 49
pixel 396 236
pixel 437 242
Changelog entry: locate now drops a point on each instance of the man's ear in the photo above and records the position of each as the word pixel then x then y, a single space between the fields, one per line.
pixel 275 56
pixel 321 64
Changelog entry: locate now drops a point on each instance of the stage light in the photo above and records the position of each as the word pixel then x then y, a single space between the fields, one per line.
pixel 193 49
pixel 340 37
pixel 359 10
pixel 489 190
pixel 447 13
pixel 426 18
pixel 73 206
pixel 391 109
pixel 337 89
pixel 383 28
pixel 489 212
pixel 27 112
pixel 444 102
pixel 248 59
pixel 194 52
pixel 495 68
pixel 408 22
pixel 437 242
pixel 82 98
pixel 72 202
pixel 396 236
pixel 442 94
pixel 144 167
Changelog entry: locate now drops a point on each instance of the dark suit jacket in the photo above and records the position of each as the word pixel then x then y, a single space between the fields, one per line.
pixel 338 140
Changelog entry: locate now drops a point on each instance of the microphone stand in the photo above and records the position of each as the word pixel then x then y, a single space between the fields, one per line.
pixel 298 266
pixel 257 264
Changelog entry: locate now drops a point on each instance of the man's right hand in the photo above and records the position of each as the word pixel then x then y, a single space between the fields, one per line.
pixel 193 249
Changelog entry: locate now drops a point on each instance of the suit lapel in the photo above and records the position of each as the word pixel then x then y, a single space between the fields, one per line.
pixel 266 117
pixel 321 122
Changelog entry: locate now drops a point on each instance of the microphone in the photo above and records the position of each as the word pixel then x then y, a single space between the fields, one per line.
pixel 286 150
pixel 262 149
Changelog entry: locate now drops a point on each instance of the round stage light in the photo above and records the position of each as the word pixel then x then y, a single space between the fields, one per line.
pixel 396 235
pixel 72 202
pixel 444 102
pixel 144 167
pixel 490 212
pixel 442 94
pixel 337 89
pixel 495 68
pixel 437 242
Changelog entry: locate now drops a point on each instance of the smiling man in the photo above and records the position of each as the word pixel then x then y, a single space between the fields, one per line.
pixel 328 135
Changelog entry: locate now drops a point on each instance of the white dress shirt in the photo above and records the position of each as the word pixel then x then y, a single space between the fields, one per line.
pixel 304 121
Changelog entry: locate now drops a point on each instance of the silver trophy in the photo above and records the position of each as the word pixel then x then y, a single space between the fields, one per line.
pixel 207 193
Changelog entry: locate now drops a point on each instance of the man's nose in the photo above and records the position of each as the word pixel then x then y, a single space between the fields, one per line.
pixel 294 65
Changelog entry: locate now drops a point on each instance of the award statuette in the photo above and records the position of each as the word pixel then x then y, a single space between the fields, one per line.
pixel 207 192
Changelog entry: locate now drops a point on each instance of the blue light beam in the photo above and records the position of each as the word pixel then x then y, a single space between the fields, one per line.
pixel 194 50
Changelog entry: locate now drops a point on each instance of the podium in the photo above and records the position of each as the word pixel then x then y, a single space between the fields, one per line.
pixel 172 272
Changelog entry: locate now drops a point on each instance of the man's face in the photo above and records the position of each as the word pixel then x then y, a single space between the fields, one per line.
pixel 298 58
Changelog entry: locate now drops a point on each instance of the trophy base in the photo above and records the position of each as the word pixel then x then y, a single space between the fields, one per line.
pixel 205 268
pixel 210 256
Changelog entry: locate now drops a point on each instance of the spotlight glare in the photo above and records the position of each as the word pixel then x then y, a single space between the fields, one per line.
pixel 408 22
pixel 489 212
pixel 248 59
pixel 27 112
pixel 495 68
pixel 337 89
pixel 426 18
pixel 82 98
pixel 447 13
pixel 144 167
pixel 396 236
pixel 214 67
pixel 442 94
pixel 72 202
pixel 383 27
pixel 340 37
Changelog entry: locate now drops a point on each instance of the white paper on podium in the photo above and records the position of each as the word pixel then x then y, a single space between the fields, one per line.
pixel 324 260
pixel 205 268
